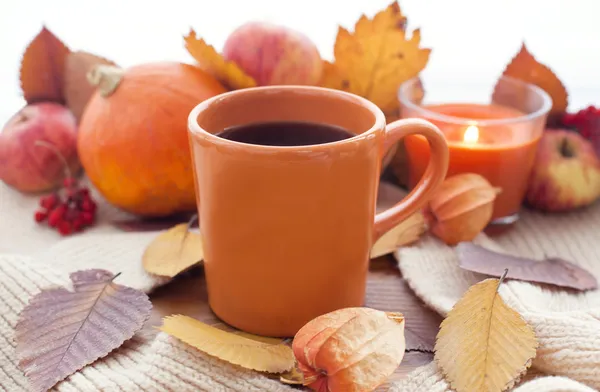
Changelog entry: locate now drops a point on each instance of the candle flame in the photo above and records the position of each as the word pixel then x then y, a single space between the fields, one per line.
pixel 471 134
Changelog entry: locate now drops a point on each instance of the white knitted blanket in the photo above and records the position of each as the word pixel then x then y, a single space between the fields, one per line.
pixel 34 257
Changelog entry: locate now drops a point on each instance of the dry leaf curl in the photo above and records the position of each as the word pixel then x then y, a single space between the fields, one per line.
pixel 43 68
pixel 227 72
pixel 61 331
pixel 238 349
pixel 484 345
pixel 376 59
pixel 173 251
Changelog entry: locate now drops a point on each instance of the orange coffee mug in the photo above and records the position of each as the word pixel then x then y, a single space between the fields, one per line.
pixel 287 230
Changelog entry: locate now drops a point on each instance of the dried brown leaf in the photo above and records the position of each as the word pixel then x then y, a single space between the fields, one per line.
pixel 552 271
pixel 484 345
pixel 43 67
pixel 77 88
pixel 233 348
pixel 173 251
pixel 61 331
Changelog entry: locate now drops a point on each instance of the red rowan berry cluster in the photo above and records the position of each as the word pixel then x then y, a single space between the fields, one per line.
pixel 68 210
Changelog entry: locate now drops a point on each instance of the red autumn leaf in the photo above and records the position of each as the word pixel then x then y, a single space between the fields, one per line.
pixel 61 331
pixel 552 271
pixel 43 68
pixel 525 67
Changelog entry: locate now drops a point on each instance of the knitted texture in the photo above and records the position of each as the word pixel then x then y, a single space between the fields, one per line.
pixel 567 323
pixel 429 379
pixel 162 363
pixel 117 252
pixel 144 363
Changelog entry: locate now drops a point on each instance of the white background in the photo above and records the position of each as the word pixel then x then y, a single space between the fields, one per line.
pixel 471 39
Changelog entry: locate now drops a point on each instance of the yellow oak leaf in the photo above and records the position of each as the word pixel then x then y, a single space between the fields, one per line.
pixel 239 349
pixel 377 58
pixel 524 66
pixel 227 72
pixel 173 251
pixel 484 345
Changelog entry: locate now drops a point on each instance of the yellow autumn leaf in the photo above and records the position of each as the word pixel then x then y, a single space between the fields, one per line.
pixel 524 66
pixel 233 348
pixel 377 58
pixel 483 345
pixel 405 233
pixel 332 77
pixel 173 251
pixel 227 72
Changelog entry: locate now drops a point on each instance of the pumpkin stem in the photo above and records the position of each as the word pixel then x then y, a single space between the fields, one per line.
pixel 106 77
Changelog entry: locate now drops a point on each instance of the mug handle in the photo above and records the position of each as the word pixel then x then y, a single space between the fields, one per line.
pixel 429 183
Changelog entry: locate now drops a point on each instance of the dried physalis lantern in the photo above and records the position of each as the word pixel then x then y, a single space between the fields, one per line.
pixel 350 350
pixel 461 208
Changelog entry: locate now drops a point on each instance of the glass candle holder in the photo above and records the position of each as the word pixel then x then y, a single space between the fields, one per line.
pixel 492 130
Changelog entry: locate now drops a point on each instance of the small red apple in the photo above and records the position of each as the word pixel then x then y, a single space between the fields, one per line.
pixel 34 145
pixel 274 55
pixel 566 173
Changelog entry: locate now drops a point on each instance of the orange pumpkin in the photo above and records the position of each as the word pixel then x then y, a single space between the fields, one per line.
pixel 133 141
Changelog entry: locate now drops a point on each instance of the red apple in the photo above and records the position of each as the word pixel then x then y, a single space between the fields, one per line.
pixel 34 145
pixel 566 173
pixel 274 55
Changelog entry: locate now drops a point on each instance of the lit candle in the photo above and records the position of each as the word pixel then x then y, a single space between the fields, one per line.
pixel 471 134
pixel 483 139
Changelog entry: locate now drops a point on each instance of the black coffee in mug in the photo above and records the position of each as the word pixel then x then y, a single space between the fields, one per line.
pixel 285 133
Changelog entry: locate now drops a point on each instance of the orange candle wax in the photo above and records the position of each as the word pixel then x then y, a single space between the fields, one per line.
pixel 501 152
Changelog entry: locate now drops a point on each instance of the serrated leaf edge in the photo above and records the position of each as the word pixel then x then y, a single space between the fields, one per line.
pixel 104 354
pixel 527 364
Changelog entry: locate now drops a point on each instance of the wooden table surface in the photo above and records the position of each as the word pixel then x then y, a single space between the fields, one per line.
pixel 187 295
